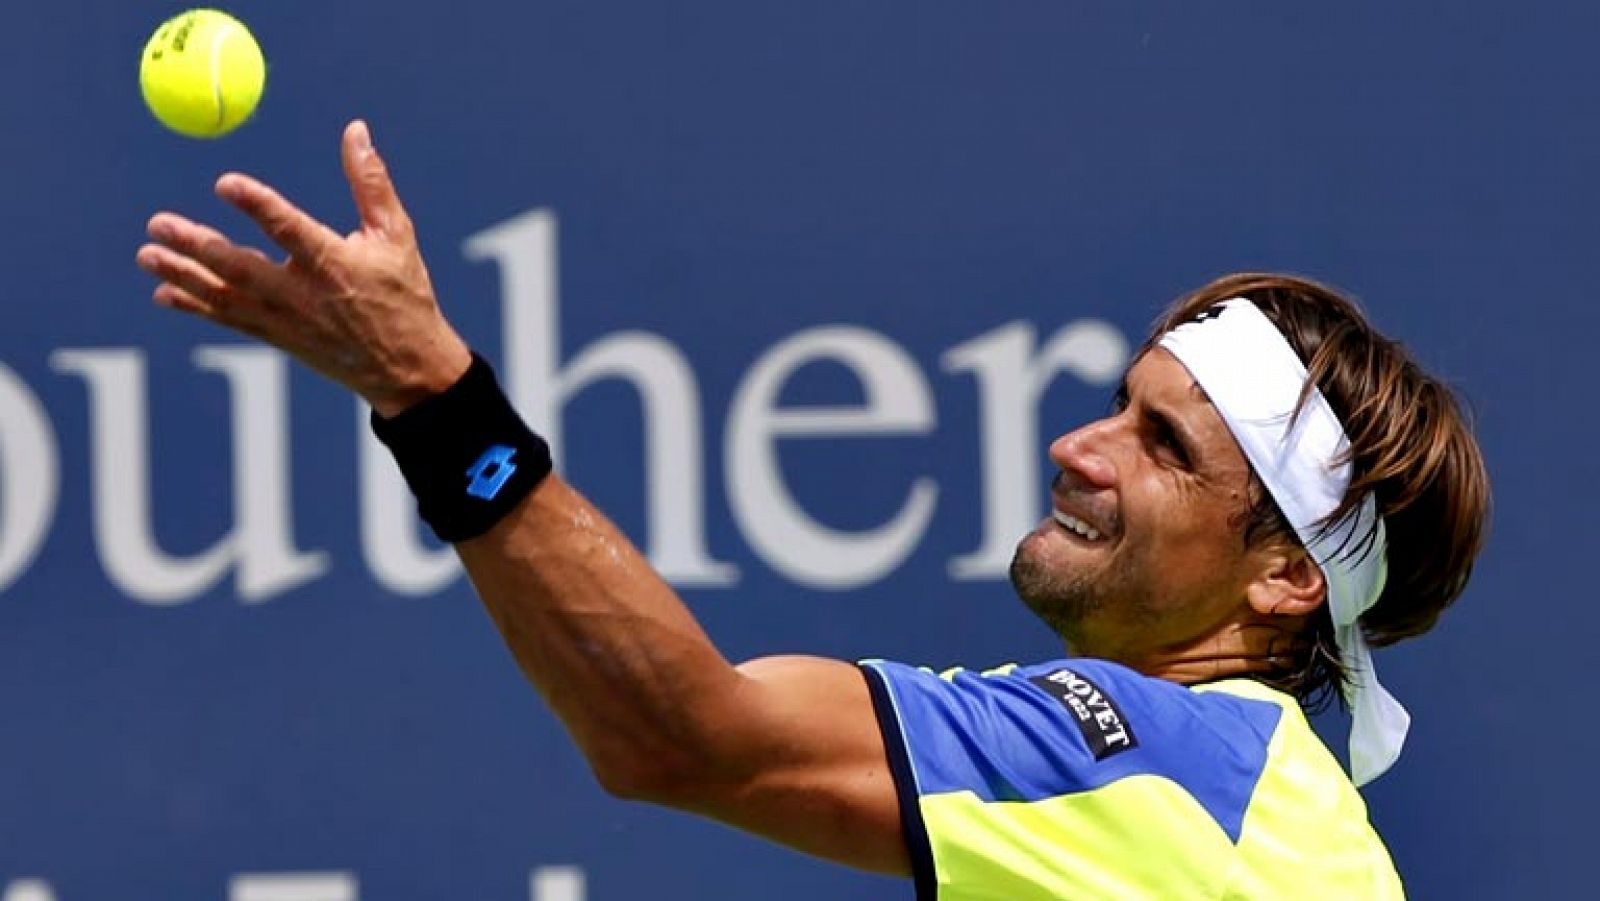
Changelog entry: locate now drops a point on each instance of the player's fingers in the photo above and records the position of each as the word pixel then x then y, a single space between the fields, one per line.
pixel 180 233
pixel 174 297
pixel 182 272
pixel 170 295
pixel 189 286
pixel 376 199
pixel 240 267
pixel 306 239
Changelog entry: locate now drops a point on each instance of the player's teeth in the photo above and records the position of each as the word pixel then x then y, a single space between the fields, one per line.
pixel 1077 525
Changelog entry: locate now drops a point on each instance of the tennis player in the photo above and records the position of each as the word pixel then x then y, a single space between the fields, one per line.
pixel 1279 489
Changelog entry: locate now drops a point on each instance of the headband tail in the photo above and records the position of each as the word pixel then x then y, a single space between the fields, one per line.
pixel 1378 722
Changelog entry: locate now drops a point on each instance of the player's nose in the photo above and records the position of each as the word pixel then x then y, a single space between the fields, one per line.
pixel 1088 452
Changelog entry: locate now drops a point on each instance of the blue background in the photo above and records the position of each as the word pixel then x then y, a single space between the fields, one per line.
pixel 727 174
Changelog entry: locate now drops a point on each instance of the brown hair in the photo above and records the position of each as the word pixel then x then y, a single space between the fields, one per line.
pixel 1411 447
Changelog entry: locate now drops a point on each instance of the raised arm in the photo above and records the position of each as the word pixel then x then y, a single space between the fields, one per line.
pixel 788 748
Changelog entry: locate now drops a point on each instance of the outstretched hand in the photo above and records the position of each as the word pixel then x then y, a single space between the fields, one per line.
pixel 358 308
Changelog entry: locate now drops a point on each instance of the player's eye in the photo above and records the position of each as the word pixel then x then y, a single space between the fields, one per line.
pixel 1167 441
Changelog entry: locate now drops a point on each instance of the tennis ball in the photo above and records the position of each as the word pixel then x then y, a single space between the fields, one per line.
pixel 202 73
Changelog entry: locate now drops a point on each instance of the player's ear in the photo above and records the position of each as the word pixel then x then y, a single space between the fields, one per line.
pixel 1288 583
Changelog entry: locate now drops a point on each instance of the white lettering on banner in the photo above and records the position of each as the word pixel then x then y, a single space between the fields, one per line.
pixel 29 890
pixel 292 887
pixel 1011 369
pixel 1011 380
pixel 897 401
pixel 559 883
pixel 259 545
pixel 525 249
pixel 263 542
pixel 30 476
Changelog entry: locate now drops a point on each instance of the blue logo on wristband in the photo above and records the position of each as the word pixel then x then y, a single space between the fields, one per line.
pixel 491 472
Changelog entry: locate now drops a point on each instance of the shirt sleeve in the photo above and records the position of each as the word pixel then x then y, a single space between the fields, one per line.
pixel 1006 774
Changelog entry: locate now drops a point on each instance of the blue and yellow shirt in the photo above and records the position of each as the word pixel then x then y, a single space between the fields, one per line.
pixel 1082 779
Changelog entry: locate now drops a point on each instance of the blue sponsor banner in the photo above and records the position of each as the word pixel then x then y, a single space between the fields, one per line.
pixel 800 294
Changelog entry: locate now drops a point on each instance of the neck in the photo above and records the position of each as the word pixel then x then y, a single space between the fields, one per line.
pixel 1235 649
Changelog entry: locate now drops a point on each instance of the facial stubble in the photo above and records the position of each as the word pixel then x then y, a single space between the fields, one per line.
pixel 1064 598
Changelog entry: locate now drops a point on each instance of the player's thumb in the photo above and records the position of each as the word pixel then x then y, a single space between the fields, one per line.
pixel 376 200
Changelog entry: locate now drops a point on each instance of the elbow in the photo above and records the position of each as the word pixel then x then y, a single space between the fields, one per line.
pixel 686 759
pixel 628 781
pixel 670 780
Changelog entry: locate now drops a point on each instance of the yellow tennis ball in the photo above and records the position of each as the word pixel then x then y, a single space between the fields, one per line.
pixel 202 73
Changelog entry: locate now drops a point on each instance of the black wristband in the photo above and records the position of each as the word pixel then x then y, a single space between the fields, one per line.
pixel 467 455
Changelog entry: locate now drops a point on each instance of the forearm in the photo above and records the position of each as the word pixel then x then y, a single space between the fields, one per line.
pixel 657 711
pixel 616 654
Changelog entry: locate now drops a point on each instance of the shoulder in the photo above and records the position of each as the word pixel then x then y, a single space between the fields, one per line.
pixel 1073 726
pixel 1112 708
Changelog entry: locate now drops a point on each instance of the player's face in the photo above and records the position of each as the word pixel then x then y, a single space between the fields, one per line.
pixel 1145 549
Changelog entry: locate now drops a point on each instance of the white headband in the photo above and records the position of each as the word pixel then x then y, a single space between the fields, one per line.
pixel 1255 379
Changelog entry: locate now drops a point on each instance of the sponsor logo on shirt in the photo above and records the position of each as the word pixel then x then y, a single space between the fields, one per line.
pixel 1099 718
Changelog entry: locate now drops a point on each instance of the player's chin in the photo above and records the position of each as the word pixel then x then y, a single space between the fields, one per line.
pixel 1055 593
pixel 1054 560
pixel 1047 555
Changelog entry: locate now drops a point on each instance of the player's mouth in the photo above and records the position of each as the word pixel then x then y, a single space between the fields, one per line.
pixel 1077 526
